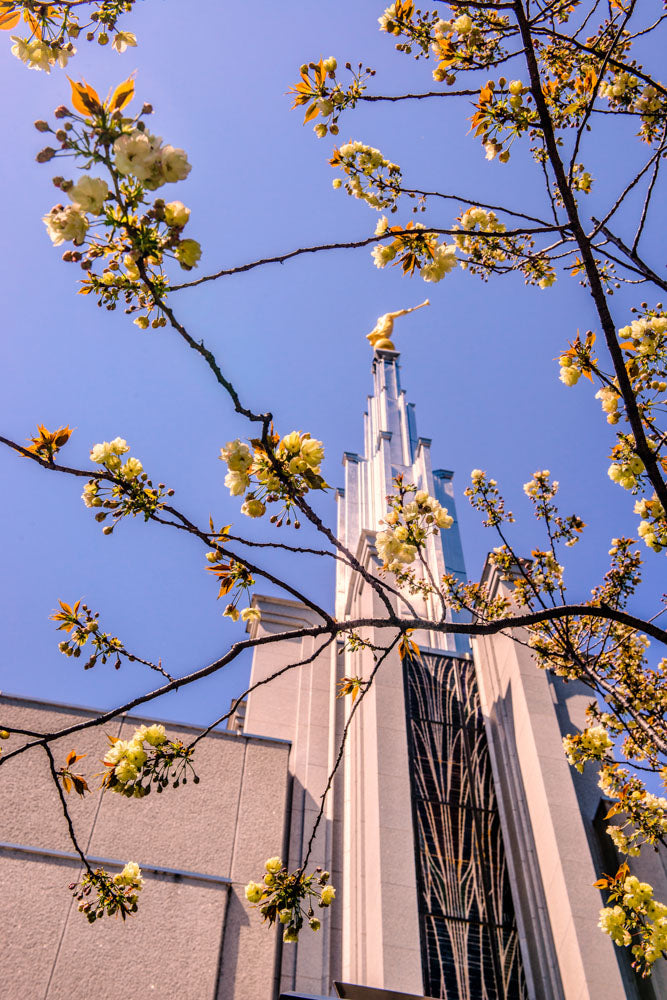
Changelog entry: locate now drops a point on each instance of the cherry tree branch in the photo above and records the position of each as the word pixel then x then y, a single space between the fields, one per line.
pixel 356 244
pixel 641 445
pixel 337 628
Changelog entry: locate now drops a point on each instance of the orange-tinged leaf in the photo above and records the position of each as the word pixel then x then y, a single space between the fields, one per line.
pixel 67 784
pixel 80 784
pixel 407 647
pixel 349 685
pixel 311 112
pixel 601 883
pixel 9 19
pixel 122 95
pixel 84 98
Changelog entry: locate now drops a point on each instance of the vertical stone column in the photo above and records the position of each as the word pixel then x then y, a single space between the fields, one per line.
pixel 297 706
pixel 546 821
pixel 381 943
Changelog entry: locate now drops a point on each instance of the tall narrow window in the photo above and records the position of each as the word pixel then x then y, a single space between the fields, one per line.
pixel 468 930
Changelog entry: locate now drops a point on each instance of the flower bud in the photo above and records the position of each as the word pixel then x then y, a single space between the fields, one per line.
pixel 42 126
pixel 4 735
pixel 45 154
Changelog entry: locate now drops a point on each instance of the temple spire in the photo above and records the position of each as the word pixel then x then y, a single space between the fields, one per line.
pixel 392 447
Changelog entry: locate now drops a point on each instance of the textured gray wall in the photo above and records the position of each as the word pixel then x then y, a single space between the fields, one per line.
pixel 192 938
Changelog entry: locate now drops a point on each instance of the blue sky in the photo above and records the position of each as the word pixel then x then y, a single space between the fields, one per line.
pixel 479 363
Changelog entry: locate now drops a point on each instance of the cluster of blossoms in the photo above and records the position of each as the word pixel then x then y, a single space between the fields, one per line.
pixel 112 220
pixel 541 574
pixel 401 18
pixel 637 919
pixel 288 898
pixel 479 220
pixel 371 176
pixel 413 516
pixel 578 360
pixel 131 493
pixel 484 496
pixel 324 96
pixel 546 573
pixel 458 44
pixel 246 614
pixel 582 179
pixel 53 29
pixel 233 577
pixel 502 116
pixel 285 472
pixel 591 744
pixel 626 467
pixel 541 490
pixel 652 528
pixel 148 757
pixel 115 894
pixel 446 35
pixel 609 399
pixel 141 155
pixel 643 814
pixel 444 261
pixel 647 334
pixel 108 454
pixel 628 93
pixel 415 248
pixel 644 343
pixel 480 235
pixel 82 626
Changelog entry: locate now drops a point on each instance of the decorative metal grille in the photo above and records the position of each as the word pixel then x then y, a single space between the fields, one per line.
pixel 470 948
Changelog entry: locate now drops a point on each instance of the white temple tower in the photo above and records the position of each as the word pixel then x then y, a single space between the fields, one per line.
pixel 462 845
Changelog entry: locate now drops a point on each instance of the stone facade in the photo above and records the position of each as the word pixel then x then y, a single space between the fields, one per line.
pixel 198 846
